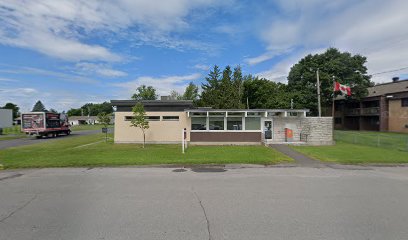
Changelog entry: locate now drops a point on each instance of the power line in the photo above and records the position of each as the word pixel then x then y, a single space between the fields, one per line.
pixel 389 71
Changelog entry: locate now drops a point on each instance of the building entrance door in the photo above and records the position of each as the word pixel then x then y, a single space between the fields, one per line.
pixel 267 129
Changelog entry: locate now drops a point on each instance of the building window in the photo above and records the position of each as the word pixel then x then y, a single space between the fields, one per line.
pixel 292 114
pixel 170 118
pixel 404 102
pixel 230 114
pixel 152 118
pixel 234 123
pixel 198 114
pixel 216 123
pixel 129 118
pixel 255 114
pixel 199 123
pixel 252 123
pixel 216 114
pixel 337 120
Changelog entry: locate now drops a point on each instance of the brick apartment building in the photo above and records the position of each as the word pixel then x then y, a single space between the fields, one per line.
pixel 384 109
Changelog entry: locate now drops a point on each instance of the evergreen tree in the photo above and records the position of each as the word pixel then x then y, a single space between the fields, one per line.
pixel 211 89
pixel 39 107
pixel 223 90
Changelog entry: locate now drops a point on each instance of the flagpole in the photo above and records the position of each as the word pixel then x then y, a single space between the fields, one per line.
pixel 333 99
pixel 318 93
pixel 333 107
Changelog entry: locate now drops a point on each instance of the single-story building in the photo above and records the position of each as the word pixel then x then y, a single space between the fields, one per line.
pixel 167 119
pixel 90 120
pixel 6 118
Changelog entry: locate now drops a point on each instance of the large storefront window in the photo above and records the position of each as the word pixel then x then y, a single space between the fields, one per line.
pixel 198 123
pixel 216 123
pixel 252 123
pixel 234 123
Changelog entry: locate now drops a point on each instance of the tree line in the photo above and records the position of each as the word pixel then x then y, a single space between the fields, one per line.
pixel 230 89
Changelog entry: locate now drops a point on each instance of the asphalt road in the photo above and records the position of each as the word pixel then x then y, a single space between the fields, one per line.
pixel 32 140
pixel 165 203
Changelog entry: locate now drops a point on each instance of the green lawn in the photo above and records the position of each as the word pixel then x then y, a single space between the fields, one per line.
pixel 13 132
pixel 88 127
pixel 67 153
pixel 396 141
pixel 10 137
pixel 347 153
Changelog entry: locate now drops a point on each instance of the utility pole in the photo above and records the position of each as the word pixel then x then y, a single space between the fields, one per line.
pixel 318 93
pixel 247 103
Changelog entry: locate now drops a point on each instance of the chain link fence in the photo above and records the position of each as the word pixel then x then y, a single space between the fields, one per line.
pixel 394 141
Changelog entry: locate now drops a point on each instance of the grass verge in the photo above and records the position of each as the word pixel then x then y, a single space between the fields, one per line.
pixel 396 141
pixel 78 152
pixel 346 153
pixel 85 127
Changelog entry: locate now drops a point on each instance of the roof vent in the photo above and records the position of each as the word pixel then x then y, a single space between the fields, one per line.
pixel 395 79
pixel 167 98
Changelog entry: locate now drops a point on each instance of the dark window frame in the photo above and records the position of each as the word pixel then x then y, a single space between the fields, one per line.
pixel 404 102
pixel 153 118
pixel 171 118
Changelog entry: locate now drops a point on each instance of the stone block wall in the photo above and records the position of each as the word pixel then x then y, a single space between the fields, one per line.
pixel 279 125
pixel 319 131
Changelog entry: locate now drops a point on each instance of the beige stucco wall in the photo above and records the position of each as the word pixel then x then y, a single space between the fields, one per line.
pixel 159 131
pixel 397 116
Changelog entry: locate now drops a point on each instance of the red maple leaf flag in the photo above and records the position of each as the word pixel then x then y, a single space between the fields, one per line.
pixel 344 89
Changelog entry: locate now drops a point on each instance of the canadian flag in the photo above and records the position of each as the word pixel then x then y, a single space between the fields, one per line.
pixel 342 88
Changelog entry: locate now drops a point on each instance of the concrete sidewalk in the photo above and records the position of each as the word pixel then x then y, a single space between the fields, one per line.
pixel 299 158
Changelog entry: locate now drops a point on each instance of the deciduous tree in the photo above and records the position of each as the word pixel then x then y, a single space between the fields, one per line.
pixel 13 107
pixel 346 68
pixel 145 93
pixel 139 120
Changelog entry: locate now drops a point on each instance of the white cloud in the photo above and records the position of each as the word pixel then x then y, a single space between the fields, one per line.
pixel 202 67
pixel 163 85
pixel 99 69
pixel 42 72
pixel 61 28
pixel 279 72
pixel 23 97
pixel 261 58
pixel 375 29
pixel 8 80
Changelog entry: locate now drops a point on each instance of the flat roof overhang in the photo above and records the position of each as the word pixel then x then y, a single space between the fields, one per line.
pixel 246 111
pixel 153 105
pixel 132 103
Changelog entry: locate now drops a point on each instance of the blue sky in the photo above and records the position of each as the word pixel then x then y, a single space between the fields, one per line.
pixel 68 53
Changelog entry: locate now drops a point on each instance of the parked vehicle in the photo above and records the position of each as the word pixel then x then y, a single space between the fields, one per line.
pixel 42 124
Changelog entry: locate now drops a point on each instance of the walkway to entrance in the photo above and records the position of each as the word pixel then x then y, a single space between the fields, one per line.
pixel 299 158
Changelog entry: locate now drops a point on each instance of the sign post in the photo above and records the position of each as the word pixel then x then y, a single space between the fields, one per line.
pixel 185 137
pixel 182 141
pixel 105 130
